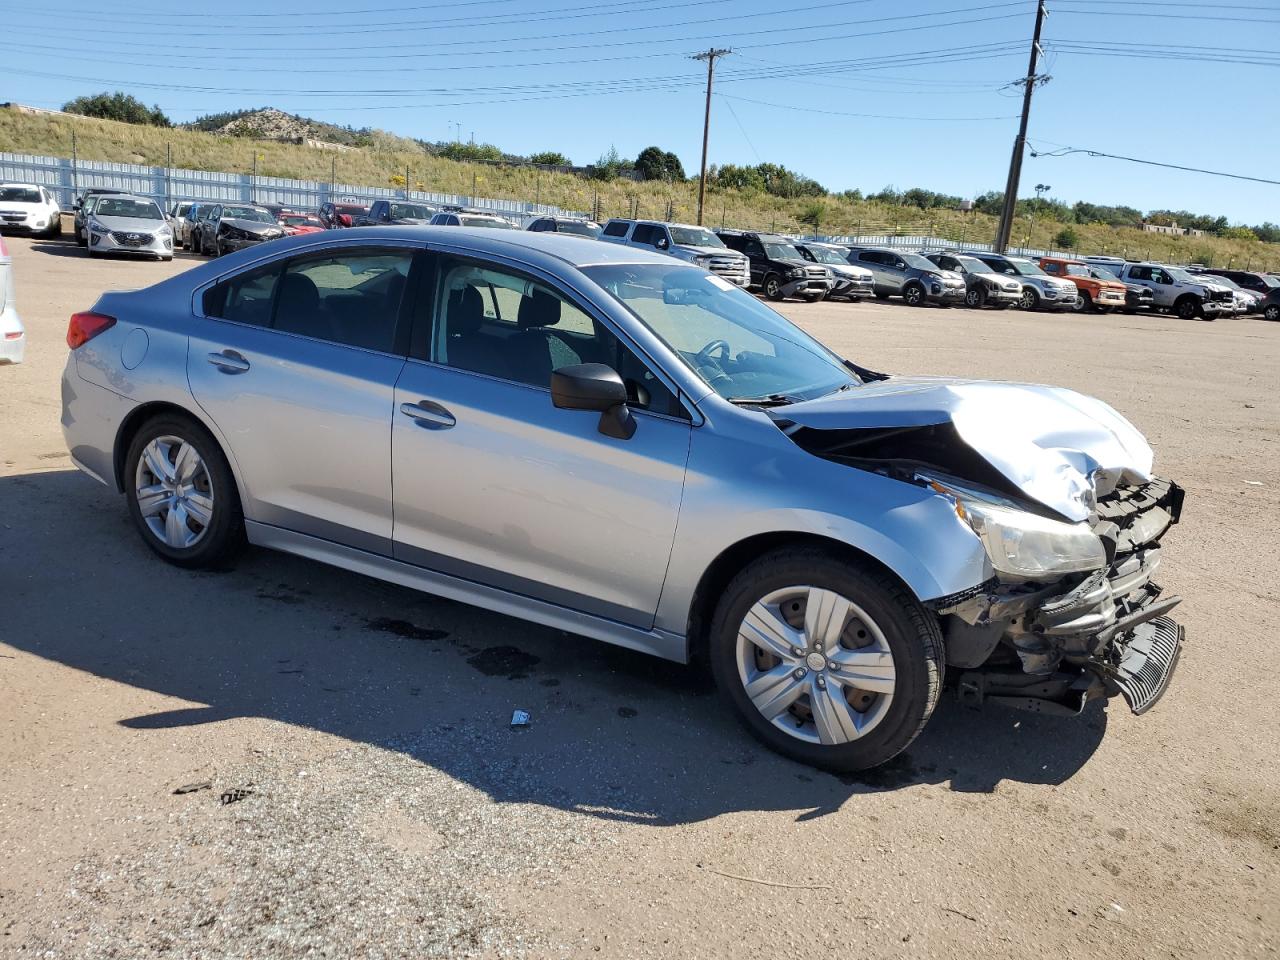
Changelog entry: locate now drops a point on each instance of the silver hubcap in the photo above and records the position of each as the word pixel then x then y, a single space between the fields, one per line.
pixel 174 492
pixel 815 665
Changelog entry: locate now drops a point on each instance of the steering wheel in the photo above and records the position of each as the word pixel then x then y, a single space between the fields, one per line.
pixel 705 355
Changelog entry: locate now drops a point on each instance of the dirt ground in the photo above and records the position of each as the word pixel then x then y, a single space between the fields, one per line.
pixel 390 810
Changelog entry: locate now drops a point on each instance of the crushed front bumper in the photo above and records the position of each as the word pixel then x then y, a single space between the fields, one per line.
pixel 1055 647
pixel 806 287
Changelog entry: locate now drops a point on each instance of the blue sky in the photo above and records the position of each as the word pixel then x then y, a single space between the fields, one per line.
pixel 857 93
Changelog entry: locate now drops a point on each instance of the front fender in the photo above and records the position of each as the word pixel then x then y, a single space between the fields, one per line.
pixel 736 491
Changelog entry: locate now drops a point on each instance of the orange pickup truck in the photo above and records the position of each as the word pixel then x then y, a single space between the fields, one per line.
pixel 1100 295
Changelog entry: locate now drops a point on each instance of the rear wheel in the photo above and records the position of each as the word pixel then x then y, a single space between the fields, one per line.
pixel 825 660
pixel 182 495
pixel 1272 312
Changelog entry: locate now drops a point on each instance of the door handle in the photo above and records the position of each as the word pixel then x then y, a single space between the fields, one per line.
pixel 428 414
pixel 228 361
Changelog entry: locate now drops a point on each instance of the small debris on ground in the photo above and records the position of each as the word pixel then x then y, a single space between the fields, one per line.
pixel 520 718
pixel 235 794
pixel 193 787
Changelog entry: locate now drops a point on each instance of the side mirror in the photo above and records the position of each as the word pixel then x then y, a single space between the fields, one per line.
pixel 662 243
pixel 595 386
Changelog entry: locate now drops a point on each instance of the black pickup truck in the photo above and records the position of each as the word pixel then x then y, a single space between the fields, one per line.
pixel 394 213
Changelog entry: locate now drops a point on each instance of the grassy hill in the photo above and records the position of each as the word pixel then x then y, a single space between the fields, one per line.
pixel 387 158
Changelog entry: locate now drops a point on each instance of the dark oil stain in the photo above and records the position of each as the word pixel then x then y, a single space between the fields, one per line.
pixel 286 598
pixel 405 629
pixel 504 661
pixel 628 712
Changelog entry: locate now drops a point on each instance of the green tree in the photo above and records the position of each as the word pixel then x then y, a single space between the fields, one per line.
pixel 654 163
pixel 118 106
pixel 609 166
pixel 469 151
pixel 1066 239
pixel 550 158
pixel 813 214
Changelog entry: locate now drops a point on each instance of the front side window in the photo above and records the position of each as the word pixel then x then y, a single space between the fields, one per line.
pixel 505 325
pixel 743 350
pixel 645 233
pixel 350 298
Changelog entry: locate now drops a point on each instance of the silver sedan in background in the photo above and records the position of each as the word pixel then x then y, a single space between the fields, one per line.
pixel 129 225
pixel 618 444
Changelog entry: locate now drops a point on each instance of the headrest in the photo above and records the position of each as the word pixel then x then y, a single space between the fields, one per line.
pixel 540 309
pixel 466 311
pixel 298 292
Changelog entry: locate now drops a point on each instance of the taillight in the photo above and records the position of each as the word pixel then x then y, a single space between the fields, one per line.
pixel 85 326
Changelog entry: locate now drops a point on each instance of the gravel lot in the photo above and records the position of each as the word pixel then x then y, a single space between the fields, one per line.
pixel 391 812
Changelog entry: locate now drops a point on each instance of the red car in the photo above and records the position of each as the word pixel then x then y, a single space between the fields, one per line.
pixel 296 223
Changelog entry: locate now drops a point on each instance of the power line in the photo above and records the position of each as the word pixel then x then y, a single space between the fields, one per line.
pixel 1068 151
pixel 868 116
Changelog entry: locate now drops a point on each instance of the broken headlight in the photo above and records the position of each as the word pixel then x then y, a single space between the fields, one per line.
pixel 1026 545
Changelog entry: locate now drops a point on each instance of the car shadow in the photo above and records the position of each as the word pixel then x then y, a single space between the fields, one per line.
pixel 613 734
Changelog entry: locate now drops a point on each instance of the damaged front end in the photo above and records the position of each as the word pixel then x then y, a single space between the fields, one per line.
pixel 1054 647
pixel 1059 490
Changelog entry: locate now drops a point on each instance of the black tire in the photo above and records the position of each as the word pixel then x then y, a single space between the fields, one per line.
pixel 1029 299
pixel 913 295
pixel 80 238
pixel 224 536
pixel 54 230
pixel 1272 312
pixel 975 298
pixel 1188 308
pixel 196 246
pixel 1084 303
pixel 815 297
pixel 772 287
pixel 910 631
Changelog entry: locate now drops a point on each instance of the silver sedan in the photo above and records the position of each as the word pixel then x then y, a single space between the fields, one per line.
pixel 129 225
pixel 618 444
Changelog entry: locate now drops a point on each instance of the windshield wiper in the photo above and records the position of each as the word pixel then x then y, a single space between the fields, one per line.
pixel 772 400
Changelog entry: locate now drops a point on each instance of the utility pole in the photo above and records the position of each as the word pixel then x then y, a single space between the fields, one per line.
pixel 710 56
pixel 1020 144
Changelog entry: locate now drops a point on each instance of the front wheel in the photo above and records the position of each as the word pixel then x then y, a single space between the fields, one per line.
pixel 913 294
pixel 975 298
pixel 815 297
pixel 1029 299
pixel 1187 308
pixel 772 287
pixel 825 660
pixel 182 495
pixel 1084 303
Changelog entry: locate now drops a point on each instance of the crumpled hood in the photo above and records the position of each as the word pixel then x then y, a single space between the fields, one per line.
pixel 267 230
pixel 1057 446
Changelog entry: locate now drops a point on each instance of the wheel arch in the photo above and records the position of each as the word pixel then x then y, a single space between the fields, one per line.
pixel 134 422
pixel 730 561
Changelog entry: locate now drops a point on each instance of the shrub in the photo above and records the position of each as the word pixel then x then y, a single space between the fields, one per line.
pixel 118 106
pixel 1066 239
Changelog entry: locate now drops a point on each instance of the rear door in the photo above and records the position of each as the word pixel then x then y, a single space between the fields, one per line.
pixel 296 363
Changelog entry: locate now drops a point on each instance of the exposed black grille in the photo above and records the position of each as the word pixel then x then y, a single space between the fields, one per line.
pixel 1147 663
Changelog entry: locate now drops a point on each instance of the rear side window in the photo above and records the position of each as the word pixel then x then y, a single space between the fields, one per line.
pixel 349 298
pixel 246 298
pixel 616 228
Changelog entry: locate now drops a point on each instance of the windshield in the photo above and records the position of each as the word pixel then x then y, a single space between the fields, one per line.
pixel 972 265
pixel 581 227
pixel 485 222
pixel 737 345
pixel 695 237
pixel 410 211
pixel 125 207
pixel 19 194
pixel 1100 274
pixel 1183 277
pixel 256 214
pixel 1270 281
pixel 1016 268
pixel 1220 281
pixel 781 251
pixel 826 255
pixel 1075 270
pixel 919 262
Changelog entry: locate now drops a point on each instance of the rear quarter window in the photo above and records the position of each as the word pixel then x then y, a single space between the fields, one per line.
pixel 616 228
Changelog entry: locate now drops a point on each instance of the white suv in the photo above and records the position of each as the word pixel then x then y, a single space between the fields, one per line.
pixel 29 208
pixel 684 241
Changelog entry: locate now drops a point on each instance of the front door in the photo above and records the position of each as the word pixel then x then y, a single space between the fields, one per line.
pixel 296 364
pixel 494 484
